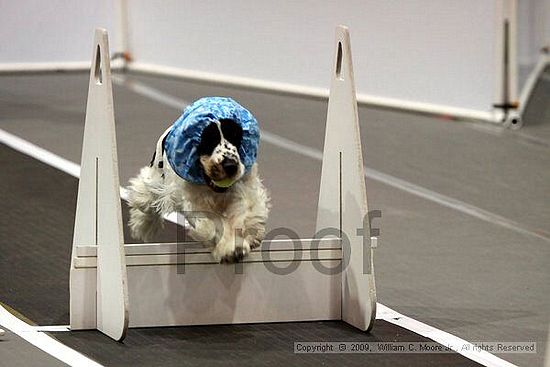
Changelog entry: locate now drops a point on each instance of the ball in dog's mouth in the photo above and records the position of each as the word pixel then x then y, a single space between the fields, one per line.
pixel 219 185
pixel 225 183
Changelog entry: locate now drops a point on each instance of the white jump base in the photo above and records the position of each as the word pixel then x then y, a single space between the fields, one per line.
pixel 114 285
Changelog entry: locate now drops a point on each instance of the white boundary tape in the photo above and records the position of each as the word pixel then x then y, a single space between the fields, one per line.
pixel 38 153
pixel 442 337
pixel 150 92
pixel 53 160
pixel 43 341
pixel 29 67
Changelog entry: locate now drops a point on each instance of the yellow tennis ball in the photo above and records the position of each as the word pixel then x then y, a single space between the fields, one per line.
pixel 225 183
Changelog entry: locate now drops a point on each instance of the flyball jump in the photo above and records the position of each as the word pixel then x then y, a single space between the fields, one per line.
pixel 114 285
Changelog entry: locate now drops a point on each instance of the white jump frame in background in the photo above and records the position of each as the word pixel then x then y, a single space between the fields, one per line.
pixel 114 285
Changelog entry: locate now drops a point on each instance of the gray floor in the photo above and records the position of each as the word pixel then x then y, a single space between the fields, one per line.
pixel 474 278
pixel 17 352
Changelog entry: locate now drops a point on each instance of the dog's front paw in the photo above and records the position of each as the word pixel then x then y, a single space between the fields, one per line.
pixel 238 254
pixel 203 230
pixel 255 242
pixel 228 253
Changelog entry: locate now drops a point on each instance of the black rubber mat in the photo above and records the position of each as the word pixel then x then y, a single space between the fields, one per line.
pixel 37 226
pixel 250 345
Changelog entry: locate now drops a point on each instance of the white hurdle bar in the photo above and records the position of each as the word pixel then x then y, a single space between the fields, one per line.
pixel 114 285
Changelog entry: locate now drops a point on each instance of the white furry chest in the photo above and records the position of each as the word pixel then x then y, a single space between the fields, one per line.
pixel 211 201
pixel 192 197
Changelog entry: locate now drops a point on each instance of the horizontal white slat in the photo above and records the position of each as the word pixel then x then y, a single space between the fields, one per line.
pixel 198 247
pixel 206 258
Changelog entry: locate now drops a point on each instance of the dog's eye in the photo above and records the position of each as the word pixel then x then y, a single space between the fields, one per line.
pixel 232 131
pixel 210 138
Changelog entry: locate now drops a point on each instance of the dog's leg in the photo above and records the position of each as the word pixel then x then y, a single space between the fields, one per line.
pixel 244 228
pixel 231 247
pixel 204 229
pixel 224 250
pixel 255 231
pixel 242 232
pixel 259 204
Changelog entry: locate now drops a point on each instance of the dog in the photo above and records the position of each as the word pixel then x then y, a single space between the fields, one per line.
pixel 204 167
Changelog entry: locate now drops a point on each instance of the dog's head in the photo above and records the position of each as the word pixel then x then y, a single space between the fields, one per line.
pixel 214 142
pixel 219 154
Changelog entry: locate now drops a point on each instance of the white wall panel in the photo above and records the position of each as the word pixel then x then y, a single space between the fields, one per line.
pixel 533 35
pixel 45 31
pixel 432 51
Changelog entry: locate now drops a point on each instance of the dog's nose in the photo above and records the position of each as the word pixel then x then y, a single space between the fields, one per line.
pixel 229 166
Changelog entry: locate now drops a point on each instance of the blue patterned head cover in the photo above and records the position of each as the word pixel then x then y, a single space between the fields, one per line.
pixel 181 142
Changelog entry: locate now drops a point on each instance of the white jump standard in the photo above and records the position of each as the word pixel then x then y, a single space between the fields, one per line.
pixel 114 285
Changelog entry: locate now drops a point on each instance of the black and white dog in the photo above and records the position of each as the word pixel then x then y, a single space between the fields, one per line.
pixel 227 206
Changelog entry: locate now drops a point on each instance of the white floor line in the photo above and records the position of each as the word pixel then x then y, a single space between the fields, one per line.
pixel 413 189
pixel 281 142
pixel 440 336
pixel 41 154
pixel 53 160
pixel 43 341
pixel 149 92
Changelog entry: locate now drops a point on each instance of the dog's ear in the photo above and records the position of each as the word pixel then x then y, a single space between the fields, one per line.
pixel 232 131
pixel 210 138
